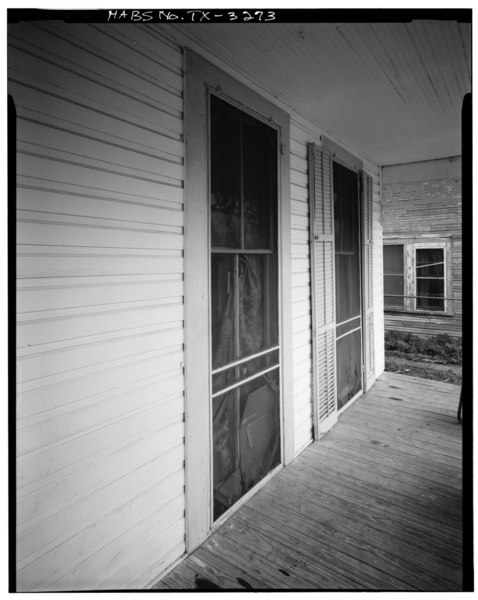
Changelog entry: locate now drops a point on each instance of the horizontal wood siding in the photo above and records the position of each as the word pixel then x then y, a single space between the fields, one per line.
pixel 301 290
pixel 424 210
pixel 100 304
pixel 424 325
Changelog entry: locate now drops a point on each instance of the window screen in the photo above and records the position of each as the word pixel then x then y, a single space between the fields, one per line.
pixel 430 279
pixel 347 243
pixel 244 302
pixel 225 177
pixel 246 438
pixel 393 276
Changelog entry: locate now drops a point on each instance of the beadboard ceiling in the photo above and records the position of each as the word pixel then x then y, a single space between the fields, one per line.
pixel 392 92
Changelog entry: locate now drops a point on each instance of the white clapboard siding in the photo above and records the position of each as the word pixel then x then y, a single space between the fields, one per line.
pixel 301 298
pixel 120 403
pixel 34 540
pixel 81 261
pixel 164 519
pixel 52 466
pixel 32 507
pixel 41 399
pixel 33 293
pixel 111 510
pixel 100 409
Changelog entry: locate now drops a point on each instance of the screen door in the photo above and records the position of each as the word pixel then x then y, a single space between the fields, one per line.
pixel 244 302
pixel 348 331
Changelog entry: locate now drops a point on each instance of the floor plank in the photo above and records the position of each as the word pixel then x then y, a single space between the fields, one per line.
pixel 379 490
pixel 323 550
pixel 409 491
pixel 374 505
pixel 380 515
pixel 437 452
pixel 355 540
pixel 438 448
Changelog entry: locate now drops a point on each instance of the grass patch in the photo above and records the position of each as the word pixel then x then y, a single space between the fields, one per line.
pixel 442 348
pixel 437 357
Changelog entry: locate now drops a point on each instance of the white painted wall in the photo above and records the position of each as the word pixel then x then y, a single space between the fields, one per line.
pixel 100 302
pixel 100 305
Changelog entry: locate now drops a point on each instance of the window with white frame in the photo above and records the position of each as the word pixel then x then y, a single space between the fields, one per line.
pixel 415 276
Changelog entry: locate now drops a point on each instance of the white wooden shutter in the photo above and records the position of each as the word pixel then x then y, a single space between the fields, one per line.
pixel 367 227
pixel 322 287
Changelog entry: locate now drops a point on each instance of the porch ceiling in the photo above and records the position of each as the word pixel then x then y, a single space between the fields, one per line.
pixel 392 92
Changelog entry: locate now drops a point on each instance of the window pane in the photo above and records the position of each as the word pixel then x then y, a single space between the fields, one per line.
pixel 258 312
pixel 393 290
pixel 223 310
pixel 430 294
pixel 349 367
pixel 393 276
pixel 246 439
pixel 430 262
pixel 346 210
pixel 347 248
pixel 347 276
pixel 225 175
pixel 260 184
pixel 393 260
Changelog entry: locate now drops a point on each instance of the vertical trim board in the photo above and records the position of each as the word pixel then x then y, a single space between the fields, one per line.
pixel 368 277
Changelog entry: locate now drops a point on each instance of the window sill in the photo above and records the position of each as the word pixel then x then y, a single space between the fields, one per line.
pixel 417 313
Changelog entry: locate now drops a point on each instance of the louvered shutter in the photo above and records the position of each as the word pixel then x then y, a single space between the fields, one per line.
pixel 367 227
pixel 322 286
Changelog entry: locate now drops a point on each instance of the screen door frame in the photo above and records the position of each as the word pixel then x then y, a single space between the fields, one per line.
pixel 352 162
pixel 357 172
pixel 201 77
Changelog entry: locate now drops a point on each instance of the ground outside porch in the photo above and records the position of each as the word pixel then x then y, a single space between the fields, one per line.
pixel 376 504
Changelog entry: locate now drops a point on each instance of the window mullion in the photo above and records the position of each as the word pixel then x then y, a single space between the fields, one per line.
pixel 241 142
pixel 236 307
pixel 410 291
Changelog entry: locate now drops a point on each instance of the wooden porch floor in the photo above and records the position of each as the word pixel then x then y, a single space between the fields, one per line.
pixel 374 505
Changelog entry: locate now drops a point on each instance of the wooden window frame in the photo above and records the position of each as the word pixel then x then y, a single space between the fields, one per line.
pixel 446 303
pixel 410 247
pixel 201 79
